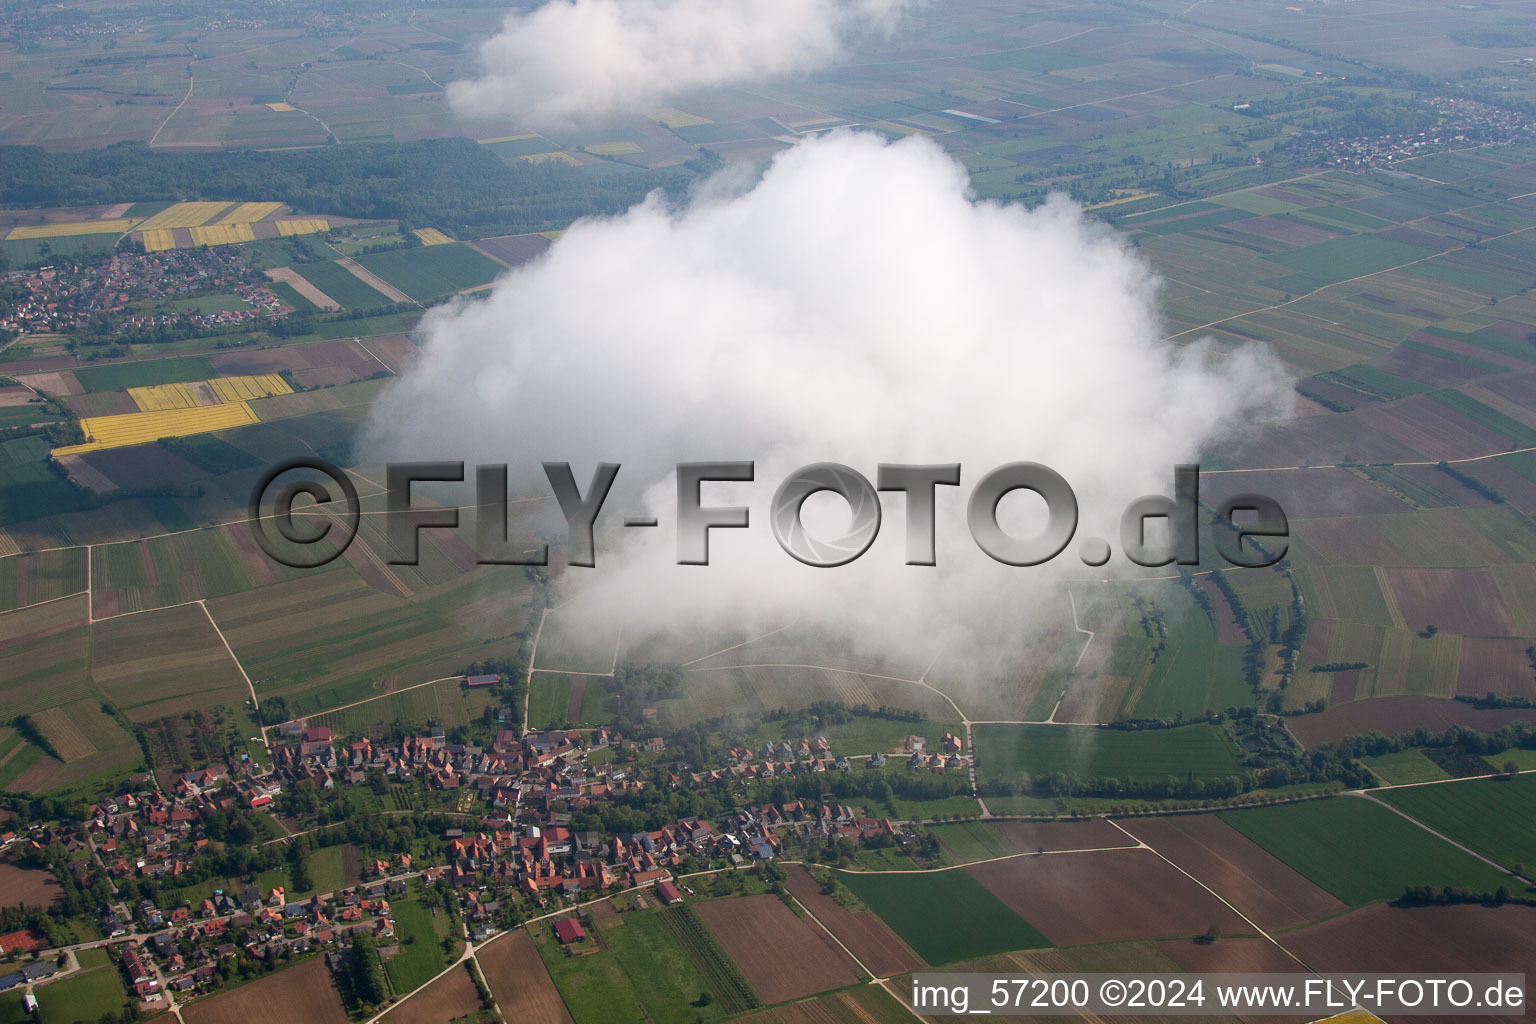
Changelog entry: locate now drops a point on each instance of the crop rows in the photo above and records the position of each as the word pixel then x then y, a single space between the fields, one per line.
pixel 723 977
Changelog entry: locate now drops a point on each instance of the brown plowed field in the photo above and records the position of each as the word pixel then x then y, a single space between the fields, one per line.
pixel 1235 956
pixel 25 885
pixel 301 993
pixel 1229 956
pixel 781 955
pixel 1455 600
pixel 1248 876
pixel 1079 898
pixel 1494 663
pixel 522 986
pixel 1382 939
pixel 513 249
pixel 452 995
pixel 1397 715
pixel 864 933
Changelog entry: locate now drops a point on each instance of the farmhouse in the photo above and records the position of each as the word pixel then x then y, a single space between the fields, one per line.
pixel 569 930
pixel 668 893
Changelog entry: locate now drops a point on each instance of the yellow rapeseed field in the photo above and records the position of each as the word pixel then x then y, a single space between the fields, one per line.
pixel 79 227
pixel 249 213
pixel 143 427
pixel 281 108
pixel 308 226
pixel 431 236
pixel 240 389
pixel 184 215
pixel 159 239
pixel 222 234
pixel 164 397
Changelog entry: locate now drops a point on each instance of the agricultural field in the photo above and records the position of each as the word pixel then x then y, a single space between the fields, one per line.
pixel 29 886
pixel 30 489
pixel 782 955
pixel 43 656
pixel 1005 753
pixel 1404 767
pixel 78 730
pixel 304 992
pixel 448 703
pixel 431 271
pixel 340 284
pixel 1107 896
pixel 1321 840
pixel 163 662
pixel 944 916
pixel 614 975
pixel 865 935
pixel 1422 939
pixel 33 579
pixel 519 980
pixel 302 639
pixel 419 929
pixel 448 998
pixel 1495 817
pixel 1251 879
pixel 548 699
pixel 1393 715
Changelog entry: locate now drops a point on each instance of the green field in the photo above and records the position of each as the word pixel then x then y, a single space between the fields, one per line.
pixel 969 841
pixel 1518 433
pixel 1007 752
pixel 420 936
pixel 945 916
pixel 341 284
pixel 144 372
pixel 1360 851
pixel 1495 817
pixel 429 271
pixel 1194 673
pixel 1404 767
pixel 30 486
pixel 632 970
pixel 547 700
pixel 1341 259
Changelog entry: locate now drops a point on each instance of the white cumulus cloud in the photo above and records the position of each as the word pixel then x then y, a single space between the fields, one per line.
pixel 574 61
pixel 854 304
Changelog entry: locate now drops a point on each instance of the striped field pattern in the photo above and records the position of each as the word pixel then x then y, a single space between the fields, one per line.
pixel 222 234
pixel 249 213
pixel 143 427
pixel 79 227
pixel 165 397
pixel 308 226
pixel 243 389
pixel 159 240
pixel 184 215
